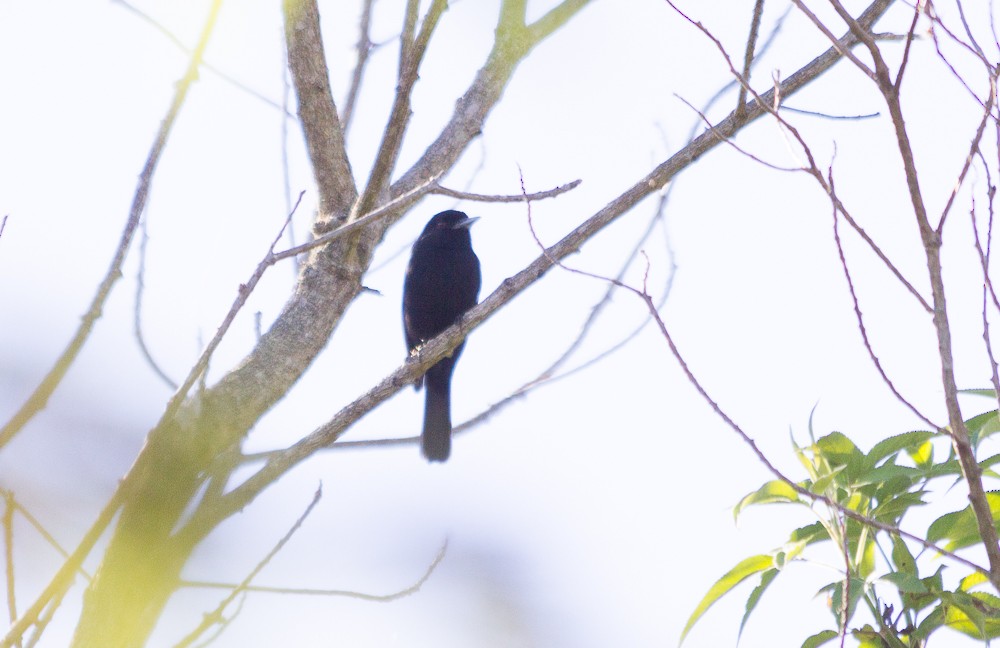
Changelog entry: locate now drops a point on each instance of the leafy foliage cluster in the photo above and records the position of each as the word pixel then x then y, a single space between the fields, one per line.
pixel 905 600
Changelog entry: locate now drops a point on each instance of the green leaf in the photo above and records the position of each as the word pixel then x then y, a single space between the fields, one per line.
pixel 820 638
pixel 823 483
pixel 960 528
pixel 931 622
pixel 809 534
pixel 766 579
pixel 743 570
pixel 855 593
pixel 839 450
pixel 922 454
pixel 902 559
pixel 893 509
pixel 982 426
pixel 894 444
pixel 933 583
pixel 905 583
pixel 976 615
pixel 888 472
pixel 866 558
pixel 973 579
pixel 869 637
pixel 989 393
pixel 772 492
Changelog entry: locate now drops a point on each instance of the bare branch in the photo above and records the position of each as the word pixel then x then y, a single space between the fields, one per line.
pixel 286 173
pixel 140 287
pixel 861 320
pixel 215 616
pixel 813 113
pixel 833 39
pixel 758 12
pixel 8 554
pixel 762 458
pixel 377 598
pixel 494 198
pixel 644 295
pixel 61 582
pixel 392 207
pixel 767 102
pixel 412 50
pixel 243 294
pixel 205 65
pixel 973 149
pixel 40 397
pixel 513 42
pixel 279 463
pixel 364 48
pixel 909 42
pixel 864 36
pixel 317 111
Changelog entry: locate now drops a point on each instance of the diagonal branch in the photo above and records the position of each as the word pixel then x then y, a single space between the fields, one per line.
pixel 215 616
pixel 412 50
pixel 317 111
pixel 364 48
pixel 514 40
pixel 281 462
pixel 40 397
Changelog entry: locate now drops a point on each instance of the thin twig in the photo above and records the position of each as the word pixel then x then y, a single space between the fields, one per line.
pixel 845 600
pixel 748 57
pixel 215 616
pixel 140 287
pixel 364 48
pixel 861 321
pixel 60 583
pixel 918 7
pixel 810 168
pixel 973 149
pixel 243 294
pixel 176 41
pixel 845 52
pixel 412 51
pixel 504 198
pixel 644 295
pixel 286 171
pixel 392 207
pixel 400 203
pixel 813 113
pixel 307 591
pixel 8 553
pixel 40 396
pixel 932 242
pixel 42 531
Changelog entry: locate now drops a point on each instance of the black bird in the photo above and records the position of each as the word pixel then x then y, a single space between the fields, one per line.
pixel 442 282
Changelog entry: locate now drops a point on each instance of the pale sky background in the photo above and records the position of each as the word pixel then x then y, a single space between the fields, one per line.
pixel 595 512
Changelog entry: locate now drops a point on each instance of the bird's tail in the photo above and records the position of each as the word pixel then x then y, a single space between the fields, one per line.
pixel 436 439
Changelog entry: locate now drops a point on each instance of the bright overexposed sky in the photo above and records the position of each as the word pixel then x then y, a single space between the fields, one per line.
pixel 597 510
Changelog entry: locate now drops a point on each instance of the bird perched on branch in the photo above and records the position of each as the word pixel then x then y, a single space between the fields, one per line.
pixel 442 283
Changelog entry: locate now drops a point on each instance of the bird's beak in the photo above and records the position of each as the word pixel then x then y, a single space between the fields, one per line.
pixel 467 223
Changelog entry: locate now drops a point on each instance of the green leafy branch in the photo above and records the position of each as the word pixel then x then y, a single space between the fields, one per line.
pixel 863 498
